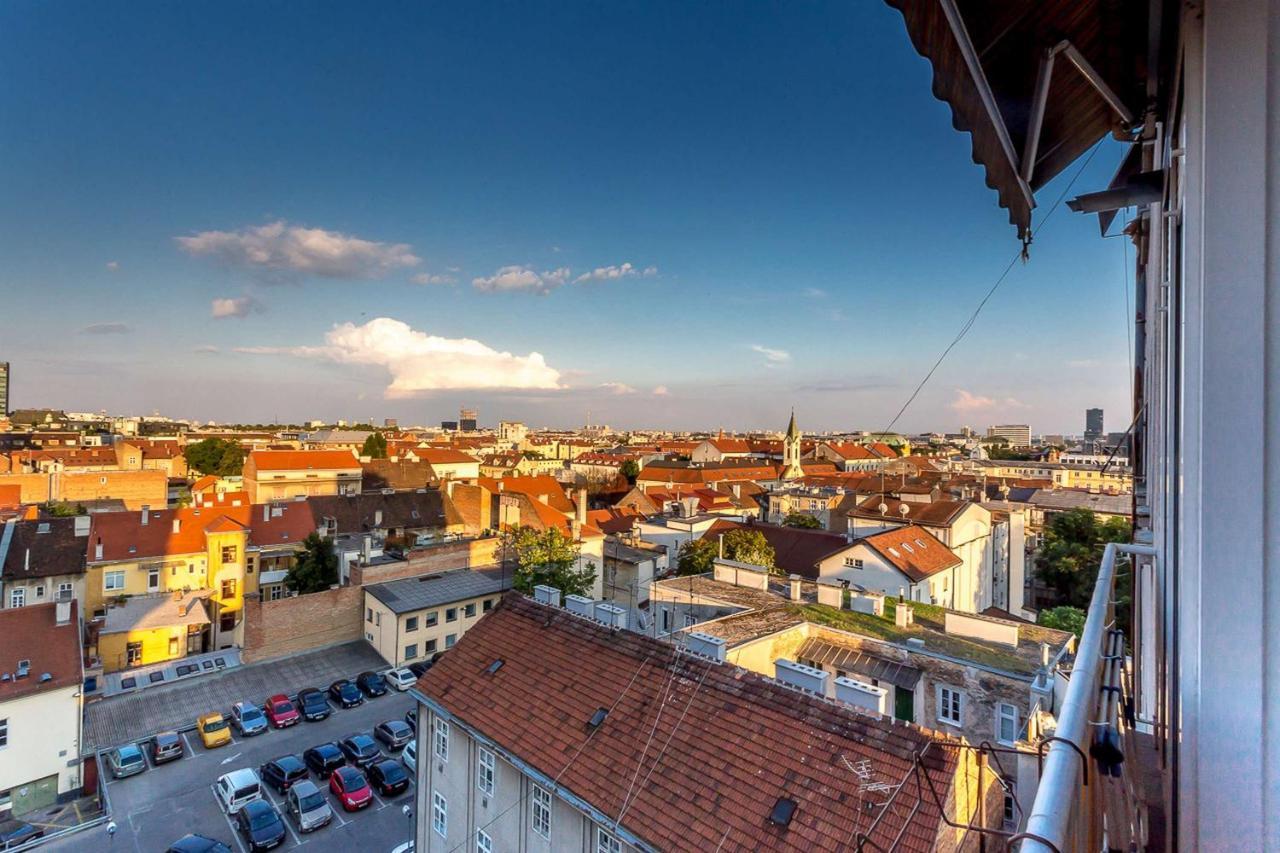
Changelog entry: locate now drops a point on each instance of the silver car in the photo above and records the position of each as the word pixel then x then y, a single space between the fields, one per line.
pixel 307 806
pixel 410 756
pixel 126 761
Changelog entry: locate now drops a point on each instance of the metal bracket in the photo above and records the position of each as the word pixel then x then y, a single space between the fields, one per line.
pixel 1084 760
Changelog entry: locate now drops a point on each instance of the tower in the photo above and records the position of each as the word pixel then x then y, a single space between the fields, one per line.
pixel 791 469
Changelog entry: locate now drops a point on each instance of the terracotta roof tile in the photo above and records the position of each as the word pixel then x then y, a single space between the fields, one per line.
pixel 302 460
pixel 916 552
pixel 797 551
pixel 33 634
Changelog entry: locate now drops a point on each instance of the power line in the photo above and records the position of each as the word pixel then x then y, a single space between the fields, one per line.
pixel 1000 280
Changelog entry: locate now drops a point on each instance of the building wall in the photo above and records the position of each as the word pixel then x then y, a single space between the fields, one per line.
pixel 267 486
pixel 44 734
pixel 47 585
pixel 186 571
pixel 389 633
pixel 157 646
pixel 876 575
pixel 301 623
pixel 465 554
pixel 135 488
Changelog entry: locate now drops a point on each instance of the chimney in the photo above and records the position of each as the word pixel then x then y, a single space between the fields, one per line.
pixel 62 611
pixel 707 645
pixel 266 513
pixel 177 525
pixel 1045 655
pixel 902 615
pixel 582 507
pixel 501 485
pixel 146 515
pixel 546 595
pixel 794 589
pixel 82 525
pixel 366 549
pixel 799 675
pixel 581 605
pixel 860 694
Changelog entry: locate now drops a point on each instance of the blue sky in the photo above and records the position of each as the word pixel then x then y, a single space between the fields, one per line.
pixel 227 212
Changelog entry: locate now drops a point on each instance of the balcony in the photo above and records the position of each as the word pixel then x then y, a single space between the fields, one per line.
pixel 1101 783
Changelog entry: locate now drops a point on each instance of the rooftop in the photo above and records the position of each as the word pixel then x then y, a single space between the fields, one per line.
pixel 140 612
pixel 419 593
pixel 32 634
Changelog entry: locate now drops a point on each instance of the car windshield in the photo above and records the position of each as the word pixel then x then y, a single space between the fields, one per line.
pixel 351 779
pixel 262 818
pixel 348 689
pixel 282 707
pixel 311 801
pixel 250 714
pixel 313 699
pixel 215 725
pixel 392 772
pixel 129 756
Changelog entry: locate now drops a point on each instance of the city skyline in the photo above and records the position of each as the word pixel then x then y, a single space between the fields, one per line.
pixel 677 239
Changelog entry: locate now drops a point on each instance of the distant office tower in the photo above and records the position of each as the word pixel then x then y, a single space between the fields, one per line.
pixel 1018 435
pixel 4 389
pixel 1092 424
pixel 390 423
pixel 467 420
pixel 451 426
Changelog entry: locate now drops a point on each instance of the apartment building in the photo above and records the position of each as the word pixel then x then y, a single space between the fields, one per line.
pixel 130 489
pixel 412 619
pixel 449 464
pixel 534 734
pixel 1018 435
pixel 43 560
pixel 283 475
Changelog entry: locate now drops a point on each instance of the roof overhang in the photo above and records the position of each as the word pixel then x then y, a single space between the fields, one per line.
pixel 1035 83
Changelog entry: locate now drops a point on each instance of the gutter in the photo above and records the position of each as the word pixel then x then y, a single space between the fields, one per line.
pixel 5 539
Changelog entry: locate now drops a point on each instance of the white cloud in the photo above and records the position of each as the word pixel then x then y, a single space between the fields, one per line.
pixel 421 362
pixel 617 388
pixel 234 306
pixel 106 329
pixel 616 271
pixel 660 391
pixel 283 248
pixel 966 402
pixel 517 278
pixel 432 278
pixel 772 357
pixel 205 348
pixel 113 265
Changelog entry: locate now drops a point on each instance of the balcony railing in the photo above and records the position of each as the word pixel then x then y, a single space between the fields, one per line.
pixel 1088 798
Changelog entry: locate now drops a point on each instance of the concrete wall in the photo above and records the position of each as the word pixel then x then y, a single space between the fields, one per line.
pixel 290 625
pixel 44 734
pixel 466 554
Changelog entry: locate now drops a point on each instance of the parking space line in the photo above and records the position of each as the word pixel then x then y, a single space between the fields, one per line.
pixel 230 823
pixel 280 810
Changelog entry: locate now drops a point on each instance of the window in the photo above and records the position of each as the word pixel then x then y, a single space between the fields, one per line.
pixel 450 640
pixel 1010 809
pixel 228 554
pixel 439 814
pixel 368 614
pixel 113 580
pixel 411 651
pixel 17 596
pixel 39 592
pixel 277 592
pixel 4 733
pixel 1006 723
pixel 64 591
pixel 133 654
pixel 451 614
pixel 431 619
pixel 950 705
pixel 484 772
pixel 229 588
pixel 542 811
pixel 606 843
pixel 411 624
pixel 469 610
pixel 442 740
pixel 153 580
pixel 173 647
pixel 429 648
pixel 666 621
pixel 484 844
pixel 227 622
pixel 488 605
pixel 852 563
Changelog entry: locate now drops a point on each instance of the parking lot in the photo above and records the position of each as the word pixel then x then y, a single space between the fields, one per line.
pixel 159 806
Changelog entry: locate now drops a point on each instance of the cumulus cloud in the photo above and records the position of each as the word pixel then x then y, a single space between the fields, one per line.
pixel 617 388
pixel 205 348
pixel 617 271
pixel 113 265
pixel 660 391
pixel 772 357
pixel 235 306
pixel 106 329
pixel 281 248
pixel 522 278
pixel 421 362
pixel 967 402
pixel 432 278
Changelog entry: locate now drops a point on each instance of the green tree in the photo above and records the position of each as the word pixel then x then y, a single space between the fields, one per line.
pixel 803 520
pixel 1064 619
pixel 549 557
pixel 748 546
pixel 696 556
pixel 375 446
pixel 216 456
pixel 62 509
pixel 630 469
pixel 1071 554
pixel 316 567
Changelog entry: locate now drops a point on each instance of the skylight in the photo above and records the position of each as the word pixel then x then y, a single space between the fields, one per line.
pixel 494 667
pixel 783 810
pixel 598 717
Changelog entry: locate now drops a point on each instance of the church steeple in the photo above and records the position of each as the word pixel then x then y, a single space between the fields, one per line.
pixel 791 469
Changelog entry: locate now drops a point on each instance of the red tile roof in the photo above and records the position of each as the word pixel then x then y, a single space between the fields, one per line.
pixel 10 495
pixel 533 486
pixel 914 551
pixel 120 531
pixel 443 456
pixel 614 519
pixel 303 460
pixel 797 551
pixel 726 744
pixel 33 634
pixel 933 514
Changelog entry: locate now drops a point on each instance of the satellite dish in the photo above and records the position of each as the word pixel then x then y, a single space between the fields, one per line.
pixel 883 508
pixel 903 509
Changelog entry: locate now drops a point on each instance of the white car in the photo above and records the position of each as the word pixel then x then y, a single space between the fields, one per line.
pixel 410 756
pixel 400 678
pixel 236 789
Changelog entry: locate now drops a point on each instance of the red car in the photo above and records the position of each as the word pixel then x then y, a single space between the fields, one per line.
pixel 281 712
pixel 351 788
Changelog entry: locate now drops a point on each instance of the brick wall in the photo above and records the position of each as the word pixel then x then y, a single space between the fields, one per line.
pixel 135 488
pixel 290 625
pixel 467 554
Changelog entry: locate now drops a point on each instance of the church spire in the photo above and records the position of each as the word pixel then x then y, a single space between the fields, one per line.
pixel 791 468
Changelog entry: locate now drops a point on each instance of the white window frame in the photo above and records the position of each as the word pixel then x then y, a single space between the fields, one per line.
pixel 606 842
pixel 107 586
pixel 4 732
pixel 18 596
pixel 153 579
pixel 1006 712
pixel 484 844
pixel 68 589
pixel 541 811
pixel 949 697
pixel 440 741
pixel 440 814
pixel 485 768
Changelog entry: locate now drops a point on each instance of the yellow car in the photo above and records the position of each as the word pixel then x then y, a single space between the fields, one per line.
pixel 214 730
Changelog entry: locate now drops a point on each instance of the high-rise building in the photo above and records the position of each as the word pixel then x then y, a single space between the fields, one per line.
pixel 467 420
pixel 4 389
pixel 1092 424
pixel 1018 435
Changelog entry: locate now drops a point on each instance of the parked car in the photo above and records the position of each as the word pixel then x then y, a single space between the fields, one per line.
pixel 401 679
pixel 410 756
pixel 323 759
pixel 260 824
pixel 360 749
pixel 314 705
pixel 419 668
pixel 15 833
pixel 411 717
pixel 166 746
pixel 281 773
pixel 198 844
pixel 307 806
pixel 248 719
pixel 214 730
pixel 351 788
pixel 125 761
pixel 393 734
pixel 281 712
pixel 237 789
pixel 388 777
pixel 345 693
pixel 371 684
